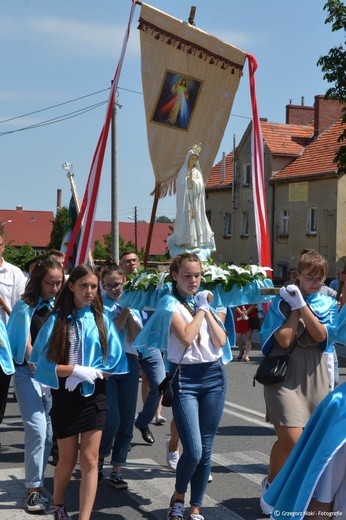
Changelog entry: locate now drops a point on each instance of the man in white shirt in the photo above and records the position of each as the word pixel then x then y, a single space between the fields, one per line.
pixel 12 285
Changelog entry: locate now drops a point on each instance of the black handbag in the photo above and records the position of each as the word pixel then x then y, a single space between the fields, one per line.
pixel 254 323
pixel 166 386
pixel 273 369
pixel 166 390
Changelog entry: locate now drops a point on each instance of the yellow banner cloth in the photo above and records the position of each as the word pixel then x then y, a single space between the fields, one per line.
pixel 189 79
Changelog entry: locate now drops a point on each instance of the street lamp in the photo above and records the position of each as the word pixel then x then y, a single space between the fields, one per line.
pixel 135 220
pixel 3 224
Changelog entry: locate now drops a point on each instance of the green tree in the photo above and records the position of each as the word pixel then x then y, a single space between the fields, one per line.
pixel 57 233
pixel 163 220
pixel 19 255
pixel 104 251
pixel 333 66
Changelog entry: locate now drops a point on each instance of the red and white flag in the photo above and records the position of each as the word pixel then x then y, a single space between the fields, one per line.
pixel 257 160
pixel 86 217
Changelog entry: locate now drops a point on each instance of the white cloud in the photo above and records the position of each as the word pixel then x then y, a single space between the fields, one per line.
pixel 69 36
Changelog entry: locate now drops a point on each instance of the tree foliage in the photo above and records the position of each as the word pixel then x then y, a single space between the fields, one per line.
pixel 163 220
pixel 57 233
pixel 333 66
pixel 19 255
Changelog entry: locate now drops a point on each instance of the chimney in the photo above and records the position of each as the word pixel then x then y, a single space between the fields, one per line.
pixel 58 199
pixel 223 171
pixel 19 207
pixel 327 112
pixel 299 114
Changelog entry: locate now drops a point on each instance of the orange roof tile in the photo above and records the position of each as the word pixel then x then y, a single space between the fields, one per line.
pixel 25 226
pixel 317 157
pixel 35 227
pixel 282 139
pixel 214 180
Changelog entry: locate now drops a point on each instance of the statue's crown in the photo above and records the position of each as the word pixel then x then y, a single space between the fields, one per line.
pixel 197 148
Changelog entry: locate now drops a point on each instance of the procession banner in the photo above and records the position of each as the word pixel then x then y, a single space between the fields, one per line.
pixel 189 79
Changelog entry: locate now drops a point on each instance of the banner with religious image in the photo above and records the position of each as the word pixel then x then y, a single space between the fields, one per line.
pixel 189 79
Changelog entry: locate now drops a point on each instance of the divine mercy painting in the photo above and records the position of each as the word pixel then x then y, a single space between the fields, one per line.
pixel 177 100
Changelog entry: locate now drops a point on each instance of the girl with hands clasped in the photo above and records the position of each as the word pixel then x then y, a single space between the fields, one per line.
pixel 304 317
pixel 196 345
pixel 75 349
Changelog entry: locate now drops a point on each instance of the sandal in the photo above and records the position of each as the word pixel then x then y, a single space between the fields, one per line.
pixel 247 359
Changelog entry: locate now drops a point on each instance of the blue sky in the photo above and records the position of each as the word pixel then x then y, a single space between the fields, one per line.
pixel 65 52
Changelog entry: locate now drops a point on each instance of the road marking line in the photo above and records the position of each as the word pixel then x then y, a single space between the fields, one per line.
pixel 252 465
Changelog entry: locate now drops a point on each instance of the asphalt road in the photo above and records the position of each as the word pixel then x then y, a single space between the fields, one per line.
pixel 239 462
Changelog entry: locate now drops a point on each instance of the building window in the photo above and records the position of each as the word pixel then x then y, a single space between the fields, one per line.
pixel 284 221
pixel 208 215
pixel 246 175
pixel 312 221
pixel 244 224
pixel 282 270
pixel 227 225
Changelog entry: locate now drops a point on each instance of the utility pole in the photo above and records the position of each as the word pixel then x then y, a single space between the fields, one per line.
pixel 136 231
pixel 114 188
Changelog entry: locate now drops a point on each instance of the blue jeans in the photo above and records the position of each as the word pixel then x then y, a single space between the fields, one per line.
pixel 199 398
pixel 121 394
pixel 34 408
pixel 154 369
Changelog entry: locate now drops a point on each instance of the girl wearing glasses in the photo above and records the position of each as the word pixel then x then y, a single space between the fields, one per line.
pixel 75 349
pixel 34 399
pixel 303 317
pixel 121 390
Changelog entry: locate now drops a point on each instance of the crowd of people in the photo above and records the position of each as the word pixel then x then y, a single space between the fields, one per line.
pixel 77 356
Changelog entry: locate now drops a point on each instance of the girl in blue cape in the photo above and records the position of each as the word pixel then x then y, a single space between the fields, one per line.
pixel 74 350
pixel 314 477
pixel 6 361
pixel 34 399
pixel 305 317
pixel 196 345
pixel 121 390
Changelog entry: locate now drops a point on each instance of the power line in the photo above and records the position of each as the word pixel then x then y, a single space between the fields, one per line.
pixel 57 119
pixel 69 115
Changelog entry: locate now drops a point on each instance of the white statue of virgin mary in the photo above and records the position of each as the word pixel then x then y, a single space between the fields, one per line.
pixel 192 231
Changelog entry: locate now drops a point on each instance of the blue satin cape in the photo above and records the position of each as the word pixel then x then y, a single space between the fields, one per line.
pixel 115 362
pixel 323 436
pixel 155 332
pixel 18 327
pixel 324 307
pixel 6 360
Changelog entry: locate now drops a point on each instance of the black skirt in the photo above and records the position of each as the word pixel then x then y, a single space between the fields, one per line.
pixel 72 413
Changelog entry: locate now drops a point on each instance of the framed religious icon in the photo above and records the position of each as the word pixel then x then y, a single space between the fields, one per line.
pixel 177 100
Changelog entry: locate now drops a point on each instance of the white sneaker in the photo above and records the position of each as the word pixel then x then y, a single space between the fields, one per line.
pixel 172 457
pixel 159 420
pixel 266 508
pixel 210 479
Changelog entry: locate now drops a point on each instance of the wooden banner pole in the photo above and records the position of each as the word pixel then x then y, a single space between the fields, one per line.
pixel 151 225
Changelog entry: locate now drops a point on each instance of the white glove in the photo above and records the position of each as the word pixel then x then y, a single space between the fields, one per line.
pixel 72 382
pixel 45 390
pixel 292 295
pixel 203 300
pixel 88 374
